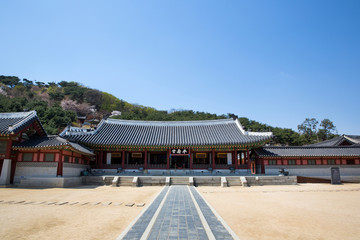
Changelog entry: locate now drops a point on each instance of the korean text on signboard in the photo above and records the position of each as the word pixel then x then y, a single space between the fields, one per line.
pixel 179 151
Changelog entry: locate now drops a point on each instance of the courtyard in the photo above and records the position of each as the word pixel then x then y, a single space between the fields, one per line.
pixel 303 211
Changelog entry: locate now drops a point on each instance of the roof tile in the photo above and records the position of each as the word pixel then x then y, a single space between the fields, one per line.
pixel 176 133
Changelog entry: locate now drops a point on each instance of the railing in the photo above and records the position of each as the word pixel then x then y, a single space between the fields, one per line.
pixel 156 166
pixel 201 166
pixel 164 166
pixel 134 166
pixel 244 166
pixel 224 166
pixel 106 166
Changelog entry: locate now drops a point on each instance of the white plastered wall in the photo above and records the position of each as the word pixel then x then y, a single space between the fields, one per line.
pixel 35 169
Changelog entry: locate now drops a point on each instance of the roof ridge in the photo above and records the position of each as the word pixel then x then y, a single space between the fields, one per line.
pixel 351 139
pixel 141 122
pixel 17 113
pixel 312 147
pixel 29 115
pixel 335 139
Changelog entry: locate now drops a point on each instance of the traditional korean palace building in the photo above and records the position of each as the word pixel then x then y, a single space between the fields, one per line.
pixel 27 151
pixel 211 144
pixel 120 146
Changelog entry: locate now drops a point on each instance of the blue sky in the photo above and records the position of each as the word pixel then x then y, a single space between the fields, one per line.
pixel 277 62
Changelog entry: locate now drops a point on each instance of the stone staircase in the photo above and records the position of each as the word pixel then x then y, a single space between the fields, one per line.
pixel 179 181
pixel 108 180
pixel 233 181
pixel 125 181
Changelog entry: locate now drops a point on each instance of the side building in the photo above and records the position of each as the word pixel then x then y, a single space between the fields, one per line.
pixel 28 154
pixel 313 160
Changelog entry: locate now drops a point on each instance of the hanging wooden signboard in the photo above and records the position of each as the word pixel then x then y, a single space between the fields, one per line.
pixel 179 151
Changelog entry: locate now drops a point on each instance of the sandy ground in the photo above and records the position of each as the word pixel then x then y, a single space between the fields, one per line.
pixel 42 221
pixel 305 211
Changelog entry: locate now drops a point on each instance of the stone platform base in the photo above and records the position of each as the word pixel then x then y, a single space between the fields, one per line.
pixel 322 179
pixel 225 181
pixel 50 182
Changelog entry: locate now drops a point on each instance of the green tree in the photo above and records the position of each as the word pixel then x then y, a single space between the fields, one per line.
pixel 10 81
pixel 55 93
pixel 74 90
pixel 94 97
pixel 55 119
pixel 27 83
pixel 309 130
pixel 40 84
pixel 327 130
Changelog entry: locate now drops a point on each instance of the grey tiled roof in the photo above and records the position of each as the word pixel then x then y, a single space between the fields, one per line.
pixel 171 133
pixel 308 151
pixel 337 141
pixel 52 142
pixel 12 123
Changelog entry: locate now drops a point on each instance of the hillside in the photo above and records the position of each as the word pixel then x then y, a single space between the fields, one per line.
pixel 59 104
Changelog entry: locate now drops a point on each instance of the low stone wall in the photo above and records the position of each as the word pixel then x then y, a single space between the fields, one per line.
pixel 271 180
pixel 73 170
pixel 35 169
pixel 93 180
pixel 152 181
pixel 207 181
pixel 197 181
pixel 314 170
pixel 50 182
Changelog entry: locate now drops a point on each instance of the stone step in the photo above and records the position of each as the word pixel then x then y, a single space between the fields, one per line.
pixel 108 180
pixel 179 181
pixel 126 181
pixel 233 181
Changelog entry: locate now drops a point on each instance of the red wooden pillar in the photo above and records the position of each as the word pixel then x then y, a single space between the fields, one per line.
pixel 59 171
pixel 146 159
pixel 213 158
pixel 235 159
pixel 248 158
pixel 253 168
pixel 123 159
pixel 242 156
pixel 191 158
pixel 101 159
pixel 168 159
pixel 8 149
pixel 262 166
pixel 13 161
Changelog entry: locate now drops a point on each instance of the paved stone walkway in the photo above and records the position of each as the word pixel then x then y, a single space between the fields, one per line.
pixel 178 218
pixel 216 226
pixel 139 228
